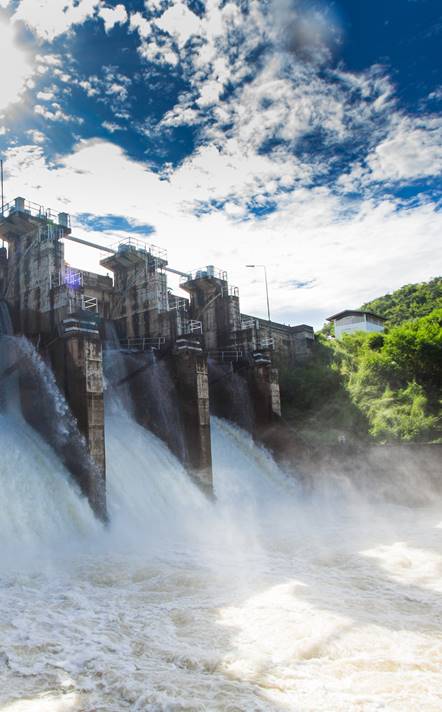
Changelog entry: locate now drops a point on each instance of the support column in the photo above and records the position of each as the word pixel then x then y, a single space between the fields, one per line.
pixel 264 391
pixel 191 377
pixel 78 365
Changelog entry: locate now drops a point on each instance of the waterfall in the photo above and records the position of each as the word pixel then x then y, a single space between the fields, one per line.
pixel 5 319
pixel 164 405
pixel 46 410
pixel 230 395
pixel 116 371
pixel 272 597
pixel 245 472
pixel 140 384
pixel 154 399
pixel 41 509
pixel 151 499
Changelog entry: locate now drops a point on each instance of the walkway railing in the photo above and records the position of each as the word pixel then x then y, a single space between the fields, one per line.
pixel 21 205
pixel 267 343
pixel 227 355
pixel 134 243
pixel 205 273
pixel 143 343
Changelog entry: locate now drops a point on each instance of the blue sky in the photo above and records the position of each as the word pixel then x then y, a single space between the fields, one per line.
pixel 302 134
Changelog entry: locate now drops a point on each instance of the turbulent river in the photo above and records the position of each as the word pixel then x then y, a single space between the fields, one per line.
pixel 274 597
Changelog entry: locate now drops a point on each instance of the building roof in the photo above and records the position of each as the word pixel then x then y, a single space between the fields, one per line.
pixel 276 325
pixel 355 312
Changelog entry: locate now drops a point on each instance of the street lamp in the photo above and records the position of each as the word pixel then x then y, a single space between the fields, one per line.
pixel 267 295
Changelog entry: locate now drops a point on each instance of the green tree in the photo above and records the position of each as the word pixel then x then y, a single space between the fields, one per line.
pixel 409 302
pixel 402 416
pixel 386 386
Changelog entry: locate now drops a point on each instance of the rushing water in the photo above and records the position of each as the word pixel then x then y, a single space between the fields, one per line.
pixel 272 598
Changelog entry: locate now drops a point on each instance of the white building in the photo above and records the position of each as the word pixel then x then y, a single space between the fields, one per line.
pixel 352 320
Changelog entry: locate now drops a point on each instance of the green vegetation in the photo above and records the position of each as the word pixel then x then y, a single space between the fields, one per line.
pixel 409 302
pixel 383 387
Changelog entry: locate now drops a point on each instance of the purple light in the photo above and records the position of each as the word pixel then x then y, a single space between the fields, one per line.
pixel 72 278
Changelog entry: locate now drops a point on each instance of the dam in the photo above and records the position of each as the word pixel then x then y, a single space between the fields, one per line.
pixel 181 358
pixel 155 555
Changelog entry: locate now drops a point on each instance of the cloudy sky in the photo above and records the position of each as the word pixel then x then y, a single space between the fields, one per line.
pixel 301 134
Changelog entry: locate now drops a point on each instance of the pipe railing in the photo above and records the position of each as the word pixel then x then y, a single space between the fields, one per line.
pixel 134 243
pixel 209 272
pixel 21 205
pixel 226 355
pixel 142 343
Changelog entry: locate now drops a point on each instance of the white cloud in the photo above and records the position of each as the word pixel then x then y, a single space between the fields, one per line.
pixel 138 23
pixel 352 252
pixel 110 87
pixel 209 94
pixel 413 150
pixel 45 95
pixel 16 65
pixel 153 5
pixel 351 259
pixel 55 113
pixel 181 115
pixel 49 18
pixel 36 136
pixel 88 87
pixel 286 98
pixel 159 51
pixel 52 60
pixel 180 22
pixel 112 16
pixel 111 127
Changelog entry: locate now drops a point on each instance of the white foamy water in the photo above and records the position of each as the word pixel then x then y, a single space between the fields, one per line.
pixel 270 599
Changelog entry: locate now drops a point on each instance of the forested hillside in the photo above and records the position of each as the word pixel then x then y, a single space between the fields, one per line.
pixel 408 302
pixel 374 387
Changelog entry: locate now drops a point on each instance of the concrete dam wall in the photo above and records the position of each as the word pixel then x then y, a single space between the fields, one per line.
pixel 70 335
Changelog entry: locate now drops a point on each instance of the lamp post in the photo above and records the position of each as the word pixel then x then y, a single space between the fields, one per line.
pixel 267 295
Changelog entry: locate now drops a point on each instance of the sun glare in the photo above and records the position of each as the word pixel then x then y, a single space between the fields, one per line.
pixel 15 67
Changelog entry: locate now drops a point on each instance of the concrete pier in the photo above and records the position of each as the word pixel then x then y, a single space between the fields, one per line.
pixel 78 367
pixel 264 388
pixel 248 394
pixel 191 377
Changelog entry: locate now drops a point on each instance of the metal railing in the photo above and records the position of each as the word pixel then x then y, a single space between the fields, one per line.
pixel 143 343
pixel 230 292
pixel 89 303
pixel 134 243
pixel 21 205
pixel 227 355
pixel 194 327
pixel 205 273
pixel 178 303
pixel 267 343
pixel 82 302
pixel 72 278
pixel 248 324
